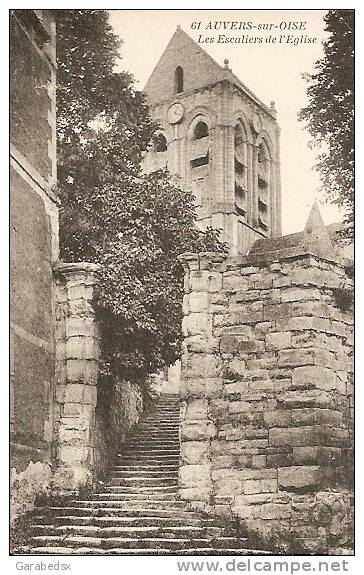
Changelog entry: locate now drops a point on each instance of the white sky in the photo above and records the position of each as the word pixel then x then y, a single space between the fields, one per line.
pixel 271 71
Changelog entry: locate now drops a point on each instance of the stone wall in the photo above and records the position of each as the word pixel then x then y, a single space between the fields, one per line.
pixel 267 389
pixel 34 249
pixel 119 406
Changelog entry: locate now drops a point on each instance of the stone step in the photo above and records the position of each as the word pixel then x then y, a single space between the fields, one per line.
pixel 145 447
pixel 164 414
pixel 157 451
pixel 137 511
pixel 159 426
pixel 142 489
pixel 153 456
pixel 149 461
pixel 167 399
pixel 150 470
pixel 124 507
pixel 109 509
pixel 162 425
pixel 143 481
pixel 151 447
pixel 162 422
pixel 167 405
pixel 167 532
pixel 166 432
pixel 147 435
pixel 168 438
pixel 139 484
pixel 156 455
pixel 170 406
pixel 163 418
pixel 157 433
pixel 159 418
pixel 159 423
pixel 142 520
pixel 161 505
pixel 152 552
pixel 153 468
pixel 124 542
pixel 160 413
pixel 135 474
pixel 127 496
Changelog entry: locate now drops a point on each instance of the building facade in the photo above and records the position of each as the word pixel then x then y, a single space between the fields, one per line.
pixel 34 235
pixel 220 139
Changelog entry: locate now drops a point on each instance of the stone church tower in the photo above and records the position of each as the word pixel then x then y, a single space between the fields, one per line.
pixel 221 140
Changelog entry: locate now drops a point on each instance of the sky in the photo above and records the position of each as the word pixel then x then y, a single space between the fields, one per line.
pixel 273 71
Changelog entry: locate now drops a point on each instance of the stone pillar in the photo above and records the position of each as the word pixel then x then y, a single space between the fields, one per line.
pixel 202 377
pixel 77 355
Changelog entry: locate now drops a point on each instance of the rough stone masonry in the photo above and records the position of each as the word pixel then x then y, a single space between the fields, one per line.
pixel 267 387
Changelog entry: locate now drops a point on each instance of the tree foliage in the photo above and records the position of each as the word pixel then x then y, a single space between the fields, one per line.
pixel 135 225
pixel 329 115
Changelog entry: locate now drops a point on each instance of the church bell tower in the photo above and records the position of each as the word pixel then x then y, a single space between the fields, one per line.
pixel 221 140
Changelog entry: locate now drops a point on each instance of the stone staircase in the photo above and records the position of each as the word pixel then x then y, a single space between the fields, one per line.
pixel 138 511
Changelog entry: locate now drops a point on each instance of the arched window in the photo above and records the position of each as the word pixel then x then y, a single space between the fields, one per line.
pixel 178 80
pixel 201 131
pixel 160 143
pixel 264 188
pixel 240 144
pixel 262 156
pixel 240 170
pixel 263 153
pixel 238 136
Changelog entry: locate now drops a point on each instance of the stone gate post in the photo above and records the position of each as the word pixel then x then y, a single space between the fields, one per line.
pixel 77 356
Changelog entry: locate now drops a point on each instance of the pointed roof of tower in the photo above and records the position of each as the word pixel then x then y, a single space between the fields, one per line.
pixel 199 68
pixel 315 231
pixel 315 227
